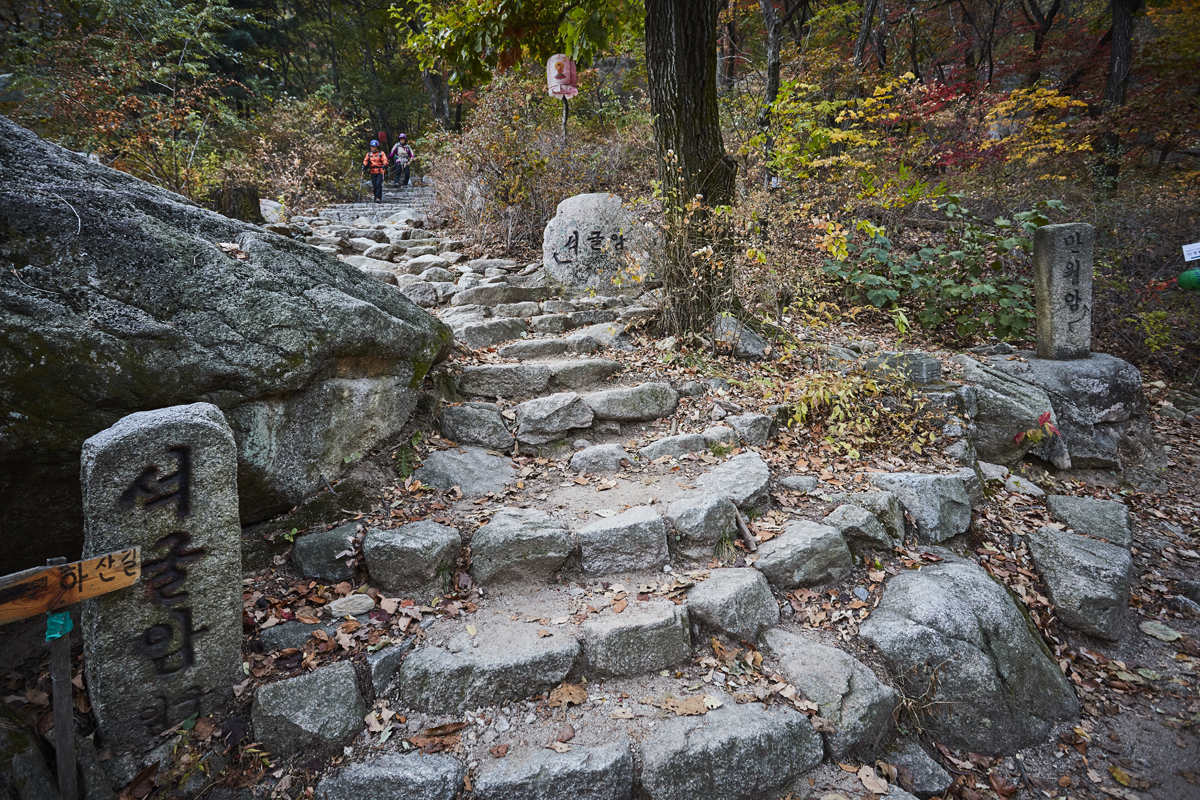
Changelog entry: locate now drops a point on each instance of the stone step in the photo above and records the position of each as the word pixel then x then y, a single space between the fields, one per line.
pixel 525 380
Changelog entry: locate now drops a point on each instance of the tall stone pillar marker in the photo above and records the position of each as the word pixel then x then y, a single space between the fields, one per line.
pixel 169 646
pixel 1062 287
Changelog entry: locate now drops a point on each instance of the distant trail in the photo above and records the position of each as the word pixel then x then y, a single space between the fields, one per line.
pixel 412 198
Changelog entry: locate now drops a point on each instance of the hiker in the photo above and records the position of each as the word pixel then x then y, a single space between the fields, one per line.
pixel 376 163
pixel 402 155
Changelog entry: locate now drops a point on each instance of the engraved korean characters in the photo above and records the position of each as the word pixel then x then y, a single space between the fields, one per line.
pixel 1062 278
pixel 168 646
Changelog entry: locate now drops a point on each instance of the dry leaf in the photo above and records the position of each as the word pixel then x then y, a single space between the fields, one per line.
pixel 848 767
pixel 822 725
pixel 1065 781
pixel 1159 631
pixel 568 694
pixel 621 713
pixel 559 747
pixel 1001 786
pixel 687 707
pixel 445 730
pixel 499 751
pixel 472 630
pixel 566 734
pixel 712 702
pixel 871 781
pixel 543 633
pixel 619 606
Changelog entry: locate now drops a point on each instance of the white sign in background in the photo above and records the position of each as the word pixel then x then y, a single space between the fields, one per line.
pixel 1191 252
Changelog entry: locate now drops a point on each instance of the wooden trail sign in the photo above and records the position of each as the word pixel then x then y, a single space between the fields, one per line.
pixel 41 589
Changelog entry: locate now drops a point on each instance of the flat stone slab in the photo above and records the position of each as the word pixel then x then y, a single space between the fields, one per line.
pixel 480 333
pixel 581 372
pixel 702 521
pixel 313 714
pixel 678 445
pixel 996 689
pixel 635 540
pixel 737 602
pixel 735 752
pixel 649 401
pixel 1088 580
pixel 603 772
pixel 545 419
pixel 645 637
pixel 519 544
pixel 549 348
pixel 472 470
pixel 396 777
pixel 599 458
pixel 845 690
pixel 502 662
pixel 414 560
pixel 805 554
pixel 505 380
pixel 744 479
pixel 1101 519
pixel 475 426
pixel 938 503
pixel 928 777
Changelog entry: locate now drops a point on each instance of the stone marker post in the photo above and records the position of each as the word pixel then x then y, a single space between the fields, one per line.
pixel 168 646
pixel 1062 287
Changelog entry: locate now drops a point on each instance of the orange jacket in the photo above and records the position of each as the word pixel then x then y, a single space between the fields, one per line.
pixel 377 162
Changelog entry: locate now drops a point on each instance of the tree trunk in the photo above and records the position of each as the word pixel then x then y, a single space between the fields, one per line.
pixel 1120 65
pixel 439 96
pixel 681 68
pixel 864 33
pixel 681 53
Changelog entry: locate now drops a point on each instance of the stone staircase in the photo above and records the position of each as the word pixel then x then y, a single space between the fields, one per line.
pixel 611 640
pixel 415 199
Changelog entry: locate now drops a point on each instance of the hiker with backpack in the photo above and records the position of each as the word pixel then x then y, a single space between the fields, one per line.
pixel 376 163
pixel 402 155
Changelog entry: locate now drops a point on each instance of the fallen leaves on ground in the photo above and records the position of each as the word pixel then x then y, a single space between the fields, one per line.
pixel 568 694
pixel 871 781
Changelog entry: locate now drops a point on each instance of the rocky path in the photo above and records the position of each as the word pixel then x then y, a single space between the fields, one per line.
pixel 613 594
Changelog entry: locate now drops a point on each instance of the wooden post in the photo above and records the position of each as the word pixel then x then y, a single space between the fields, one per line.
pixel 50 590
pixel 566 108
pixel 59 638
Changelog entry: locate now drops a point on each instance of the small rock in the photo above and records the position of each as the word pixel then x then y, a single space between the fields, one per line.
pixel 884 505
pixel 474 471
pixel 599 458
pixel 602 772
pixel 549 323
pixel 351 605
pixel 805 554
pixel 929 778
pixel 720 435
pixel 1023 486
pixel 702 521
pixel 526 309
pixel 859 527
pixel 737 602
pixel 754 429
pixel 414 559
pixel 316 555
pixel 798 483
pixel 746 343
pixel 993 473
pixel 519 544
pixel 845 690
pixel 477 334
pixel 504 380
pixel 939 503
pixel 646 637
pixel 473 426
pixel 689 758
pixel 546 419
pixel 633 540
pixel 1101 519
pixel 1088 580
pixel 643 403
pixel 315 714
pixel 744 479
pixel 914 366
pixel 679 445
pixel 396 777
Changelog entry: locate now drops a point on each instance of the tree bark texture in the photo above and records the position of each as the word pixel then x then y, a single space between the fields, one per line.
pixel 1120 64
pixel 681 67
pixel 439 96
